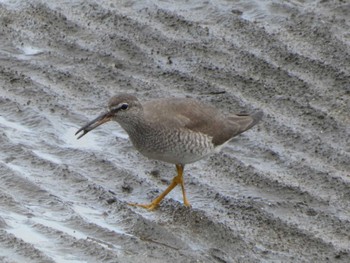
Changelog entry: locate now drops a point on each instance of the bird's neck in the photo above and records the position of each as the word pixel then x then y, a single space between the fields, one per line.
pixel 137 125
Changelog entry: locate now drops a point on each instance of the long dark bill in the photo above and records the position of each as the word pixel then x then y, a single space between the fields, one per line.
pixel 105 117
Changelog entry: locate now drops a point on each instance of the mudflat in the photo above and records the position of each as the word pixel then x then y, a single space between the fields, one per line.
pixel 278 193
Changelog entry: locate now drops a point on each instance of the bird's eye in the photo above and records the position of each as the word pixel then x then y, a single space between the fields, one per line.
pixel 124 106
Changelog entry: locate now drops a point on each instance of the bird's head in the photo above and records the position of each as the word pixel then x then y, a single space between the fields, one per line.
pixel 120 109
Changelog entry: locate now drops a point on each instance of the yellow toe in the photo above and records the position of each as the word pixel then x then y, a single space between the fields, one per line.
pixel 149 206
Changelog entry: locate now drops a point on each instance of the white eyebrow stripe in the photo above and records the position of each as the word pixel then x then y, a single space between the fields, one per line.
pixel 119 106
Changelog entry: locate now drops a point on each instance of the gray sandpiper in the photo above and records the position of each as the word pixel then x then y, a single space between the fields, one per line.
pixel 173 130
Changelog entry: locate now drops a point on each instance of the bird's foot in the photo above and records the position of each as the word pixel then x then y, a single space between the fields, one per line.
pixel 187 204
pixel 150 206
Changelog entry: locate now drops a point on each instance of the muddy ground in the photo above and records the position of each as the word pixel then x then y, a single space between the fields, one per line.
pixel 277 193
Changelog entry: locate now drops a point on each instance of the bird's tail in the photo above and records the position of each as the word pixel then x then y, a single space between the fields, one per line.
pixel 245 120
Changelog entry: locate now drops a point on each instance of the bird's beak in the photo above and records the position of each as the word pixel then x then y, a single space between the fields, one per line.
pixel 105 117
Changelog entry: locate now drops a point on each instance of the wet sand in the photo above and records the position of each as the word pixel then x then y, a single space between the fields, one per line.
pixel 277 193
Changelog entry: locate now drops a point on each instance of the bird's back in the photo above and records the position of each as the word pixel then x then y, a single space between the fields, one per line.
pixel 183 113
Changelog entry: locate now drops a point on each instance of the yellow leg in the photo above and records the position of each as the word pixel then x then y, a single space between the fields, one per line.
pixel 178 179
pixel 180 170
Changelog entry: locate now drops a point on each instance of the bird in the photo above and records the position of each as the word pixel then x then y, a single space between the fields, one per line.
pixel 179 131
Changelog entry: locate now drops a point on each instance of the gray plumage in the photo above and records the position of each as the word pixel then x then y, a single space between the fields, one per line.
pixel 178 130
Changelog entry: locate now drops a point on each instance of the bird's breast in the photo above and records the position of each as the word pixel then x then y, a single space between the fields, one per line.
pixel 178 146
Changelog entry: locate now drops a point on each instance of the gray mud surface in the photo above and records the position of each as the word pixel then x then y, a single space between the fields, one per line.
pixel 277 193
